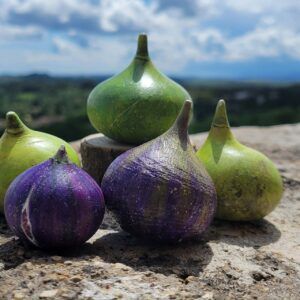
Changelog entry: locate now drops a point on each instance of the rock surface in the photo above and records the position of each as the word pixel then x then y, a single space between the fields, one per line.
pixel 232 261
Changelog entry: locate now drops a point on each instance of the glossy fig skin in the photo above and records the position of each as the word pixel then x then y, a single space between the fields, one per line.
pixel 22 148
pixel 54 205
pixel 138 104
pixel 248 184
pixel 160 191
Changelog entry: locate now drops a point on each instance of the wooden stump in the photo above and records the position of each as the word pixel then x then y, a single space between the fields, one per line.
pixel 97 152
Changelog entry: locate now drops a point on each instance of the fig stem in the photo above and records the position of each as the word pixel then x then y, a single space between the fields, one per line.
pixel 220 118
pixel 142 47
pixel 182 122
pixel 14 125
pixel 61 155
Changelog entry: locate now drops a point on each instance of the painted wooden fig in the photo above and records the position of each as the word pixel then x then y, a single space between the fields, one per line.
pixel 22 148
pixel 160 190
pixel 55 204
pixel 138 104
pixel 248 184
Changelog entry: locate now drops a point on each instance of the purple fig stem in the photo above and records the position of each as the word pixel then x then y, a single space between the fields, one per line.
pixel 182 122
pixel 61 155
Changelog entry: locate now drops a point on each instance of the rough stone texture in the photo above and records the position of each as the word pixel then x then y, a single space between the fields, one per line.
pixel 233 260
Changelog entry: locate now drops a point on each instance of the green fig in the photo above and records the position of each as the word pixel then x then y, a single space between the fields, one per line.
pixel 22 148
pixel 248 184
pixel 137 105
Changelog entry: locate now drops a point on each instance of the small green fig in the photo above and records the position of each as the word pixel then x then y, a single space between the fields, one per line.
pixel 22 148
pixel 248 184
pixel 137 105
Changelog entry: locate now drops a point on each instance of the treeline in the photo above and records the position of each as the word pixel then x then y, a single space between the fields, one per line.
pixel 58 105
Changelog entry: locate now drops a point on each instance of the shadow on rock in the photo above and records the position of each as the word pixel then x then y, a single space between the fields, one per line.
pixel 250 234
pixel 183 260
pixel 13 253
pixel 4 229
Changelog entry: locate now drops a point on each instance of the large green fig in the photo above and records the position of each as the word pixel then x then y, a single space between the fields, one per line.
pixel 248 184
pixel 138 104
pixel 22 148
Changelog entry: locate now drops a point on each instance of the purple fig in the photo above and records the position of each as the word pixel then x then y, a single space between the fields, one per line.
pixel 160 190
pixel 54 204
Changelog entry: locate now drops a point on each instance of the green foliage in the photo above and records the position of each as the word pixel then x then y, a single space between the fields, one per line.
pixel 53 105
pixel 58 105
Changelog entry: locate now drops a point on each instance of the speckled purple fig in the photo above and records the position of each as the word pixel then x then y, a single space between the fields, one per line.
pixel 54 204
pixel 160 190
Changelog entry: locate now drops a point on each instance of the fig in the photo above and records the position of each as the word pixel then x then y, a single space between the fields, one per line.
pixel 55 204
pixel 22 148
pixel 160 190
pixel 248 184
pixel 138 104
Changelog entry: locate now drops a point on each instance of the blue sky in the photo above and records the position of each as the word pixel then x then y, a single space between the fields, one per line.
pixel 232 39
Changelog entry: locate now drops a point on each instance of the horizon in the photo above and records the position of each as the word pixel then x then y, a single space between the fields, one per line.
pixel 191 78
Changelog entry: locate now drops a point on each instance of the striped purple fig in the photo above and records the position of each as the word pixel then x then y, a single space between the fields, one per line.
pixel 160 190
pixel 54 204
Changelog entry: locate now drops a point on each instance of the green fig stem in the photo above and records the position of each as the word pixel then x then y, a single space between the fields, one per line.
pixel 181 124
pixel 14 125
pixel 142 47
pixel 220 118
pixel 220 128
pixel 61 155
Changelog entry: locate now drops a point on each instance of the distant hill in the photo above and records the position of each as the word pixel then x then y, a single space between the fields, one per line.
pixel 58 104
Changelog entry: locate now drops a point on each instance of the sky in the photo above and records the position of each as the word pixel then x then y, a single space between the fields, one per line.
pixel 209 39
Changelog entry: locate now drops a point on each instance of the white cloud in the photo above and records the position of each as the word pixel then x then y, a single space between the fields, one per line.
pixel 130 15
pixel 180 32
pixel 263 7
pixel 102 57
pixel 9 32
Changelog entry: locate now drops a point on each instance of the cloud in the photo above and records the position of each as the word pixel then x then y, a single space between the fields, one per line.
pixel 101 57
pixel 10 33
pixel 54 15
pixel 205 8
pixel 181 33
pixel 96 17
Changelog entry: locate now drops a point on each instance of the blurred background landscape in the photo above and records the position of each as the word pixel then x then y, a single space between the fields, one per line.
pixel 58 105
pixel 53 53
